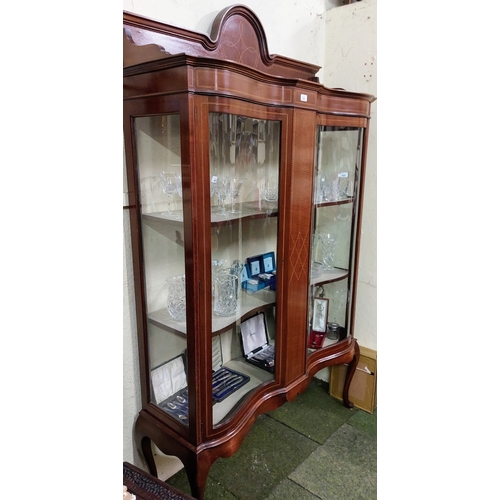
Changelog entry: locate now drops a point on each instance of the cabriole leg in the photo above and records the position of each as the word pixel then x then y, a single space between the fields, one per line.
pixel 197 468
pixel 147 451
pixel 351 369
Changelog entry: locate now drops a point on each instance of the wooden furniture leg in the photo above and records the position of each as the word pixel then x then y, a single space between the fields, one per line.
pixel 197 469
pixel 197 465
pixel 147 451
pixel 351 369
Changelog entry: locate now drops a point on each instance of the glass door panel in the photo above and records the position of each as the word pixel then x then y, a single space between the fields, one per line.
pixel 244 181
pixel 333 227
pixel 160 194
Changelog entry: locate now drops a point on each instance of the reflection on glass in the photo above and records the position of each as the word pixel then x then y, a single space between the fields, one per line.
pixel 336 163
pixel 160 190
pixel 334 217
pixel 244 190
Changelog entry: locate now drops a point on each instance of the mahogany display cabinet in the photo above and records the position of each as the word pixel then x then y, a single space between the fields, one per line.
pixel 245 179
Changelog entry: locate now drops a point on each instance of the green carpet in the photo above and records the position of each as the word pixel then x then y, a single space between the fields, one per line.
pixel 314 413
pixel 343 469
pixel 311 448
pixel 259 462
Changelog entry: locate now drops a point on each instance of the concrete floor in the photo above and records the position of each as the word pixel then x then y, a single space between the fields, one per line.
pixel 312 448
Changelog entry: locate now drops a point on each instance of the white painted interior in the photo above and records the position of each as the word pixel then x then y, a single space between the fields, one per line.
pixel 342 40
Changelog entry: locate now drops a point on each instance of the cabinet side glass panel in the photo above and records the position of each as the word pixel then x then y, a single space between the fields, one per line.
pixel 337 168
pixel 160 193
pixel 244 182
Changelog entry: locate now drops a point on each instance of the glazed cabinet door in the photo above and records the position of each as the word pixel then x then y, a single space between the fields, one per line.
pixel 208 179
pixel 337 176
pixel 157 142
pixel 245 178
pixel 161 191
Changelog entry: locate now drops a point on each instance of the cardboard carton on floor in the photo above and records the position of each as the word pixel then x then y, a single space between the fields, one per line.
pixel 363 390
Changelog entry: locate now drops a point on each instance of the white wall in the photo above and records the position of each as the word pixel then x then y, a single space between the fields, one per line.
pixel 351 63
pixel 340 40
pixel 131 382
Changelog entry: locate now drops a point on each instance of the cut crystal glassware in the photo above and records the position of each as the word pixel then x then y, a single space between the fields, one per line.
pixel 226 288
pixel 328 247
pixel 270 191
pixel 222 190
pixel 176 300
pixel 170 186
pixel 236 185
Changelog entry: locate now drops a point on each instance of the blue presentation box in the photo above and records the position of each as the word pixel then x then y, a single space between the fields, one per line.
pixel 259 273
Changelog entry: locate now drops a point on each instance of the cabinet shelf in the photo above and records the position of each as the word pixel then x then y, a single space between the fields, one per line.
pixel 247 211
pixel 330 277
pixel 327 343
pixel 257 377
pixel 250 304
pixel 322 204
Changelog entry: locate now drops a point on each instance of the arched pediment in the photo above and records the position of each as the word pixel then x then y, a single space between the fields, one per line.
pixel 237 35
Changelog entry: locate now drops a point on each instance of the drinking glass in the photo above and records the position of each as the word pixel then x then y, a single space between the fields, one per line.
pixel 324 189
pixel 222 190
pixel 213 184
pixel 169 186
pixel 226 288
pixel 270 191
pixel 236 185
pixel 343 186
pixel 328 248
pixel 176 301
pixel 178 184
